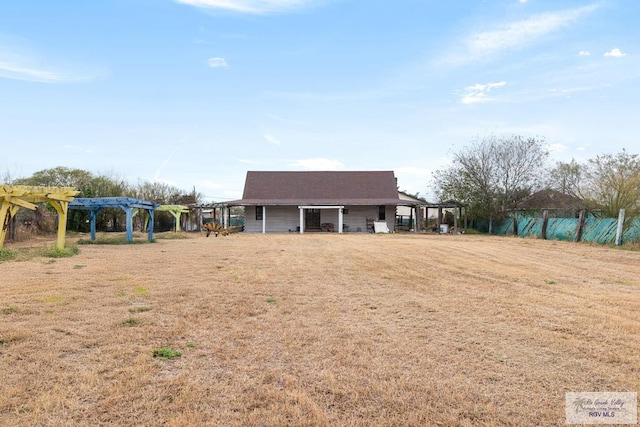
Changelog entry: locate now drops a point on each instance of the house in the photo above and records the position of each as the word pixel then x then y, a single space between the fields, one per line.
pixel 554 200
pixel 406 218
pixel 319 201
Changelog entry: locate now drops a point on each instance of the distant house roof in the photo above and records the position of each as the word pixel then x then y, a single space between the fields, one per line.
pixel 319 188
pixel 550 199
pixel 408 197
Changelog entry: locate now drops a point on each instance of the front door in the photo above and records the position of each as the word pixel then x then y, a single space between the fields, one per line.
pixel 312 220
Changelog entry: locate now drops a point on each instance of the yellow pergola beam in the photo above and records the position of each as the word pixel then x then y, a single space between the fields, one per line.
pixel 16 200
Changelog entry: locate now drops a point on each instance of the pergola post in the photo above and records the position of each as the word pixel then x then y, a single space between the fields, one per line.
pixel 62 207
pixel 92 215
pixel 129 221
pixel 150 227
pixel 7 212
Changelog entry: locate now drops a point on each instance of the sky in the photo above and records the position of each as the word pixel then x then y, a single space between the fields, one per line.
pixel 195 93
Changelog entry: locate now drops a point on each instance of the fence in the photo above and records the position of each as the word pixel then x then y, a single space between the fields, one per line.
pixel 582 228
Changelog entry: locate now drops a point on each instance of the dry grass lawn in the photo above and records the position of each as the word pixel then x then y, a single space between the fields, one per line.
pixel 317 329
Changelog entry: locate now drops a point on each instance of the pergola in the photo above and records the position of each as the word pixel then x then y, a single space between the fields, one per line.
pixel 450 204
pixel 219 210
pixel 175 210
pixel 14 197
pixel 127 204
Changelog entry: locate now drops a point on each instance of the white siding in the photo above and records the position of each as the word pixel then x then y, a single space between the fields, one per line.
pixel 281 219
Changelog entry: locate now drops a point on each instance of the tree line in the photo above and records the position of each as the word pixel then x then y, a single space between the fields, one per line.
pixel 492 174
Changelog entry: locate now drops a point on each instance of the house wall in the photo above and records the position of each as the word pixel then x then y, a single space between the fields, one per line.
pixel 281 219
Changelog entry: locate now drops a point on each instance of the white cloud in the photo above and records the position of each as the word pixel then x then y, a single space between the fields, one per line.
pixel 556 148
pixel 515 35
pixel 273 140
pixel 584 53
pixel 615 52
pixel 18 72
pixel 522 1
pixel 217 63
pixel 318 164
pixel 479 93
pixel 249 6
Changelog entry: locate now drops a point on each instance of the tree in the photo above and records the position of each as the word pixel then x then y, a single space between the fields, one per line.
pixel 492 174
pixel 107 186
pixel 566 178
pixel 58 177
pixel 613 183
pixel 158 192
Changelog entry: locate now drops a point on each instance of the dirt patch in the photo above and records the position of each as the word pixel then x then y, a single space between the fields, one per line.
pixel 317 329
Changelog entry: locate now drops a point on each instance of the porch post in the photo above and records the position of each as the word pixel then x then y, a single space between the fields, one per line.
pixel 264 219
pixel 340 219
pixel 301 220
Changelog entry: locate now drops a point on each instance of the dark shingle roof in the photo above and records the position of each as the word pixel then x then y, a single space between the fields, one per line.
pixel 320 188
pixel 551 199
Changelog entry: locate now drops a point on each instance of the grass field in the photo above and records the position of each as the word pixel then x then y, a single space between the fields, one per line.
pixel 316 329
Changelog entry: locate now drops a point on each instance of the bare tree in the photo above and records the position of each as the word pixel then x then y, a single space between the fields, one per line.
pixel 492 174
pixel 567 178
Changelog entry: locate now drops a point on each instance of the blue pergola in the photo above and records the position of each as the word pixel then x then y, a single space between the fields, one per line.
pixel 127 204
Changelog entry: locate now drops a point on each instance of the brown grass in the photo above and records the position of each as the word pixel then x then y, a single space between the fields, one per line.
pixel 317 329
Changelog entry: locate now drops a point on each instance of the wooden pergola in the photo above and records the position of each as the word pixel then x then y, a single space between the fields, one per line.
pixel 127 204
pixel 461 215
pixel 175 210
pixel 219 211
pixel 14 197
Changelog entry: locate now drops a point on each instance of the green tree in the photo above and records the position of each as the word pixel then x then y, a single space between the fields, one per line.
pixel 58 177
pixel 492 174
pixel 613 183
pixel 108 186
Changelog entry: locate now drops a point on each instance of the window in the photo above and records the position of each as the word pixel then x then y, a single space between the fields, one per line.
pixel 259 213
pixel 382 213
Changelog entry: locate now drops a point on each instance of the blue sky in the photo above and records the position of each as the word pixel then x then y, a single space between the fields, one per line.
pixel 196 92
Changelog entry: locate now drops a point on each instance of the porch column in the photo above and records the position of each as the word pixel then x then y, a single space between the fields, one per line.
pixel 340 219
pixel 301 220
pixel 264 219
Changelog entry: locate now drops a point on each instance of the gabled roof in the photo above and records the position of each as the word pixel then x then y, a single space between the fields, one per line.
pixel 319 188
pixel 551 199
